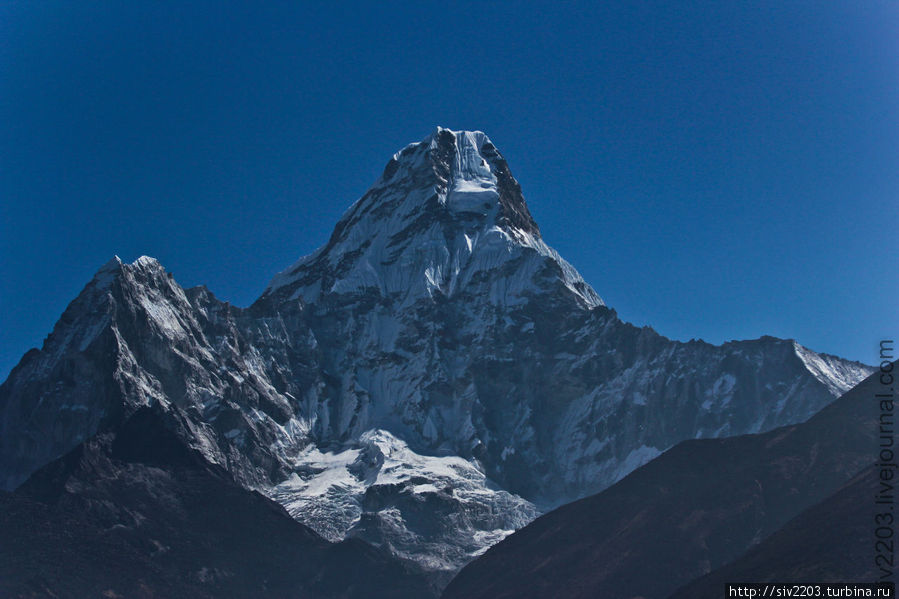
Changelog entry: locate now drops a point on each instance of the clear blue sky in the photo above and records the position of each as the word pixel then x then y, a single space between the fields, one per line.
pixel 717 170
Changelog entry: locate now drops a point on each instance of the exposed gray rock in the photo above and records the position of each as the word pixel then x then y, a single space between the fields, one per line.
pixel 436 317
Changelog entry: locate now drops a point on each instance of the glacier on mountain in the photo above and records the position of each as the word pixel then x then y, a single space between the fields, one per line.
pixel 428 380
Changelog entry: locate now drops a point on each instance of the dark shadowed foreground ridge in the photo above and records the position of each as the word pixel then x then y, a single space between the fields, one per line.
pixel 692 510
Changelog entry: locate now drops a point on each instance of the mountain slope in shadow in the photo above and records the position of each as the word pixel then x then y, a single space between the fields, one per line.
pixel 690 511
pixel 137 513
pixel 829 542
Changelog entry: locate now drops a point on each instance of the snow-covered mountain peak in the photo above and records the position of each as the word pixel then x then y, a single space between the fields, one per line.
pixel 147 263
pixel 107 273
pixel 445 213
pixel 835 373
pixel 471 176
pixel 461 150
pixel 115 268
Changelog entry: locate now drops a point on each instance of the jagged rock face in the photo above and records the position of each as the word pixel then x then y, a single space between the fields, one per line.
pixel 445 218
pixel 699 508
pixel 436 317
pixel 133 338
